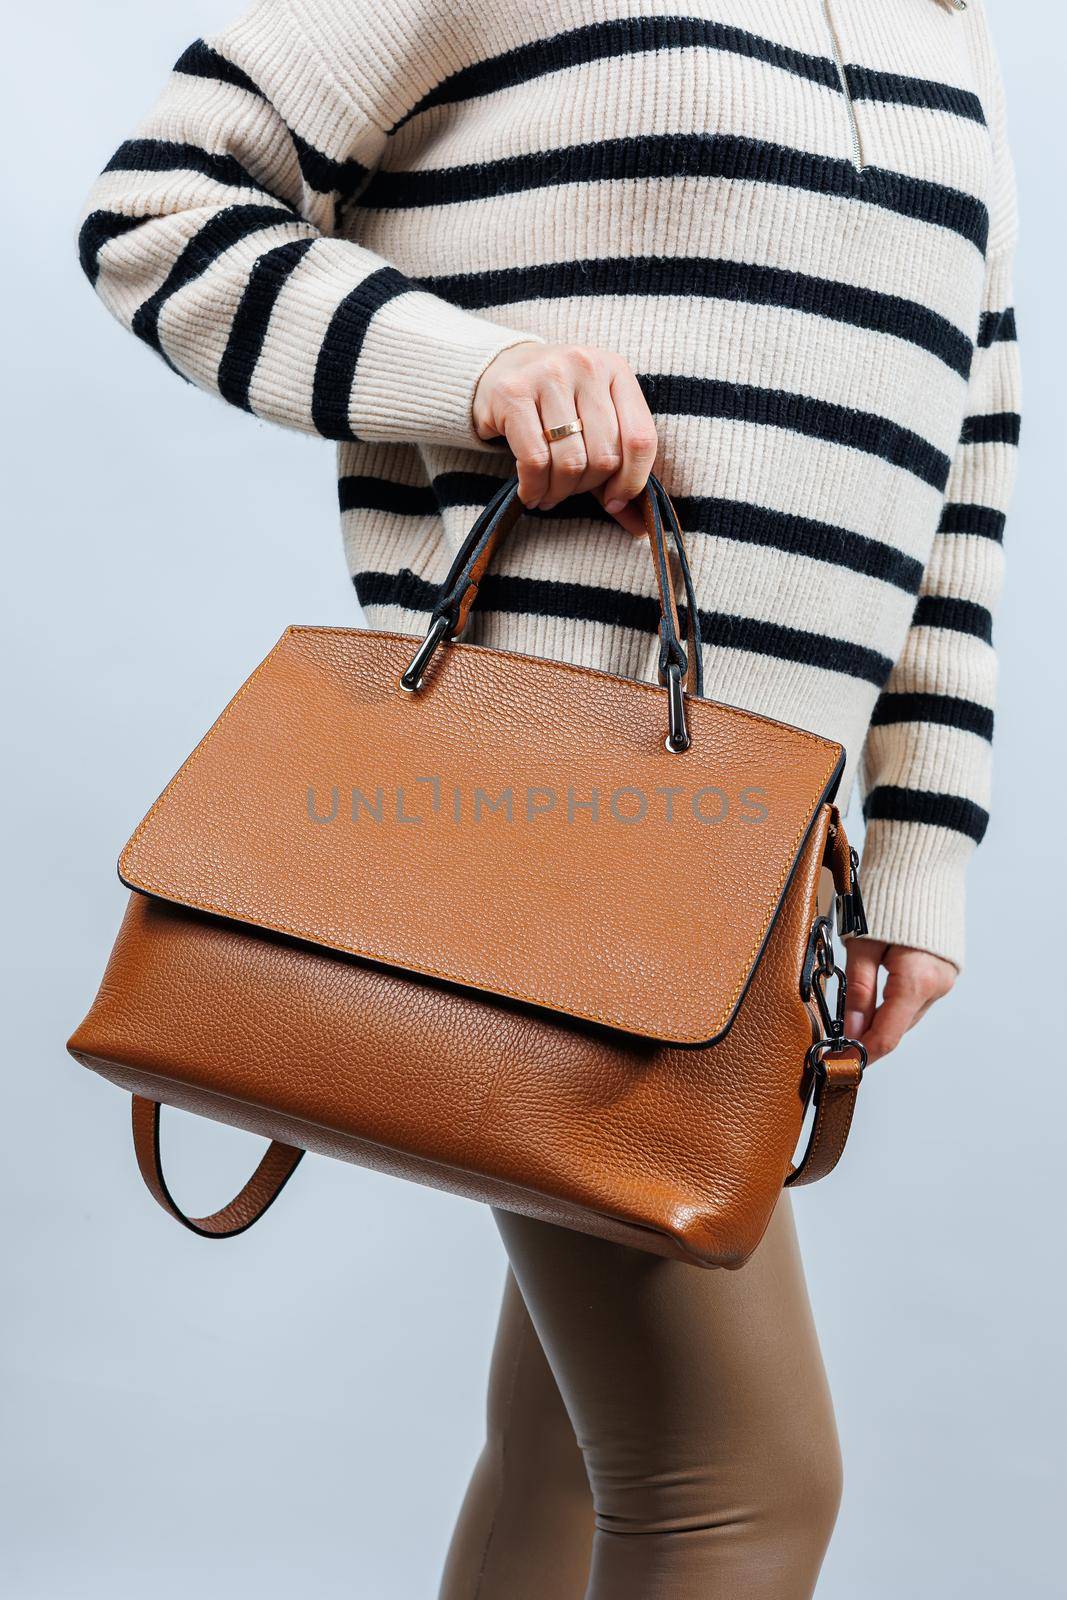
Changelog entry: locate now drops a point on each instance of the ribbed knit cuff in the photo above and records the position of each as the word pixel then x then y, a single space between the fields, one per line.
pixel 419 368
pixel 913 881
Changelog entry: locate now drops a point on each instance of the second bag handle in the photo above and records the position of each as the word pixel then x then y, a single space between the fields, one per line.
pixel 681 667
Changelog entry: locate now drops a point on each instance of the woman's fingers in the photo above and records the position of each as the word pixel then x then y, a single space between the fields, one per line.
pixel 603 442
pixel 597 411
pixel 864 960
pixel 896 1014
pixel 629 517
pixel 531 387
pixel 637 439
pixel 557 403
pixel 915 979
pixel 521 427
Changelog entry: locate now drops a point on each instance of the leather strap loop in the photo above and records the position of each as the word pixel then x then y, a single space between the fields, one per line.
pixel 836 1087
pixel 258 1194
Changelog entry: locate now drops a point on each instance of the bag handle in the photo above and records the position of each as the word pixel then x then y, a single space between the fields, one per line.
pixel 681 667
pixel 257 1196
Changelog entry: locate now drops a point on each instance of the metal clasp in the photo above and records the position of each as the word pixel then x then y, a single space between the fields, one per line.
pixel 677 738
pixel 851 916
pixel 835 1040
pixel 411 677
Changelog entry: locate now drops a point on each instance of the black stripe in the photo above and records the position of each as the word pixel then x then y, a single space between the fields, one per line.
pixel 802 536
pixel 887 803
pixel 521 597
pixel 983 521
pixel 401 588
pixel 943 709
pixel 223 229
pixel 725 519
pixel 98 228
pixel 671 394
pixel 615 608
pixel 997 427
pixel 794 644
pixel 165 155
pixel 326 175
pixel 683 155
pixel 252 318
pixel 624 36
pixel 322 173
pixel 995 326
pixel 725 280
pixel 958 616
pixel 864 83
pixel 478 488
pixel 335 368
pixel 451 489
pixel 201 61
pixel 356 492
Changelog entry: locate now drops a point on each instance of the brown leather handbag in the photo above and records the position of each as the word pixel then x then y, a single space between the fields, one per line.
pixel 522 930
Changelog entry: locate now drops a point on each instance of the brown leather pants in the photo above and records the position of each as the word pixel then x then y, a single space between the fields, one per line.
pixel 655 1431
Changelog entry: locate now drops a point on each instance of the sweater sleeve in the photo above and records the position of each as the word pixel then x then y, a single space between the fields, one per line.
pixel 926 765
pixel 210 234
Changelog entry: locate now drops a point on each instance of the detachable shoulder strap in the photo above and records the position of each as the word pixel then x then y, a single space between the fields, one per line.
pixel 836 1087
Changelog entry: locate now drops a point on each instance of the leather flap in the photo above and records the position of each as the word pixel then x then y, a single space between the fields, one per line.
pixel 516 827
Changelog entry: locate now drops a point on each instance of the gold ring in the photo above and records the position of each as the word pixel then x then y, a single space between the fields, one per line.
pixel 564 431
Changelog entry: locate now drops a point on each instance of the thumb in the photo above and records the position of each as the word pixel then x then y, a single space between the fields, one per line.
pixel 629 517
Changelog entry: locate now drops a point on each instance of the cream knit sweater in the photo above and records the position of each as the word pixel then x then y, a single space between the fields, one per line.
pixel 794 218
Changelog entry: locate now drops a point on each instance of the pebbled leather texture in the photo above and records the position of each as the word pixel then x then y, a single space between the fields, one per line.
pixel 679 1151
pixel 650 926
pixel 577 1010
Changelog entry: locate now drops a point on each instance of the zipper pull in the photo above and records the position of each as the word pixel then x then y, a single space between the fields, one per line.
pixel 851 916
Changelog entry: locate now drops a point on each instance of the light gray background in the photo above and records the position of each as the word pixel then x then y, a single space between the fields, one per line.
pixel 296 1413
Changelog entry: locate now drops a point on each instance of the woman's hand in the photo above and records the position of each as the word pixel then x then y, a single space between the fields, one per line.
pixel 914 980
pixel 531 387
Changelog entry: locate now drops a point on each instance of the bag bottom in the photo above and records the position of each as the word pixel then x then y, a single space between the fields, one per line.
pixel 483 1188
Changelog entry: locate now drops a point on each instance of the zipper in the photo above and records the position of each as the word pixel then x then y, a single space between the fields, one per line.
pixel 842 78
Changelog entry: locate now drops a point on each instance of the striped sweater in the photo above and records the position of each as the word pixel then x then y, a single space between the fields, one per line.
pixel 794 218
